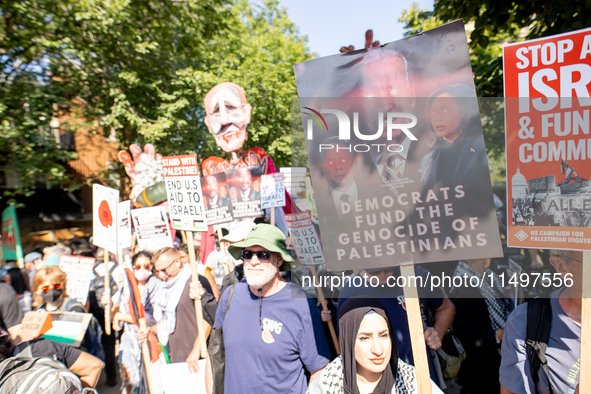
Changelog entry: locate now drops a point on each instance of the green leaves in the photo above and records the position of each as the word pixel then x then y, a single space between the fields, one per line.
pixel 142 68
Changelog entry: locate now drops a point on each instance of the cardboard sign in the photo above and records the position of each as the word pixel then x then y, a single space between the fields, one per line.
pixel 124 216
pixel 397 159
pixel 216 198
pixel 272 190
pixel 245 191
pixel 548 146
pixel 68 327
pixel 35 324
pixel 151 225
pixel 79 273
pixel 105 203
pixel 305 238
pixel 11 239
pixel 183 190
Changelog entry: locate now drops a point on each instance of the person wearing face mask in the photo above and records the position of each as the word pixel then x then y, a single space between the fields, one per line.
pixel 130 348
pixel 50 293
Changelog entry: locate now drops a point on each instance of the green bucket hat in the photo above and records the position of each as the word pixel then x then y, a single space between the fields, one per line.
pixel 266 236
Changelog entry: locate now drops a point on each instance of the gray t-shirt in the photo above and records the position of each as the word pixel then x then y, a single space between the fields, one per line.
pixel 563 353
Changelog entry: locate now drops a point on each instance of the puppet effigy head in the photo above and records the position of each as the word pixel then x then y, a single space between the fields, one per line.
pixel 228 116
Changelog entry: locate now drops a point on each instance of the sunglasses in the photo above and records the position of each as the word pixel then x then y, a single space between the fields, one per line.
pixel 263 255
pixel 45 289
pixel 145 266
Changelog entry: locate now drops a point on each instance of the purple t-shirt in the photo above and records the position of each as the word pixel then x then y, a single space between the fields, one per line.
pixel 254 366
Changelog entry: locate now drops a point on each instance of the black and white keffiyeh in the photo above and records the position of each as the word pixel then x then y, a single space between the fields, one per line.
pixel 330 380
pixel 499 307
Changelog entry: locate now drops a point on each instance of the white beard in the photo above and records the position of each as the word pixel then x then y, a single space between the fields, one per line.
pixel 258 280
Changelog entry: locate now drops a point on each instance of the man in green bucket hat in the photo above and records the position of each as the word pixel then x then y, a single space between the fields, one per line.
pixel 272 330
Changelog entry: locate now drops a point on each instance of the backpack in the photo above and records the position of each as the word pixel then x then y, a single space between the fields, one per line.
pixel 539 323
pixel 98 284
pixel 92 342
pixel 25 374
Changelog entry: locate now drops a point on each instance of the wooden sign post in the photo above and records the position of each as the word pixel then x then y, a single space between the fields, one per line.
pixel 198 307
pixel 108 291
pixel 585 357
pixel 333 334
pixel 415 327
pixel 146 355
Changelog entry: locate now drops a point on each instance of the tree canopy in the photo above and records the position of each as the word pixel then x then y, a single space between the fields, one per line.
pixel 139 69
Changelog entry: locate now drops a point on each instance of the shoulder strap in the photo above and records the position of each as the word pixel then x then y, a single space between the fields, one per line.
pixel 229 299
pixel 23 349
pixel 539 323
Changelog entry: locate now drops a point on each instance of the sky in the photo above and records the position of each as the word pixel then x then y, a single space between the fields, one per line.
pixel 331 24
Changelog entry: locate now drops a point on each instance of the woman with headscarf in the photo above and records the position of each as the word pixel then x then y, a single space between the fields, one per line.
pixel 369 362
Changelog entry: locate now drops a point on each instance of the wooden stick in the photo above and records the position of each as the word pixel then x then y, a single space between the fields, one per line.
pixel 146 354
pixel 272 216
pixel 223 250
pixel 184 237
pixel 198 308
pixel 108 291
pixel 333 334
pixel 415 326
pixel 585 371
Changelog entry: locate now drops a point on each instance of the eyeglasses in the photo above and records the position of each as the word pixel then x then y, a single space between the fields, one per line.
pixel 263 255
pixel 164 271
pixel 45 289
pixel 145 266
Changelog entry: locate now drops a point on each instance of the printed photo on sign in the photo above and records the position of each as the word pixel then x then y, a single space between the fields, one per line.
pixel 548 146
pixel 245 191
pixel 216 198
pixel 105 203
pixel 273 190
pixel 79 273
pixel 396 153
pixel 183 191
pixel 151 225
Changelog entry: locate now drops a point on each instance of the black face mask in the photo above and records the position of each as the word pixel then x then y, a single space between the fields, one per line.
pixel 51 295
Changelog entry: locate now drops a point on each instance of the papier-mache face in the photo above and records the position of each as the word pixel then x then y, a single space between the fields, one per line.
pixel 228 116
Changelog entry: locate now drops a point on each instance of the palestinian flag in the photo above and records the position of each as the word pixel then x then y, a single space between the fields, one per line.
pixel 156 354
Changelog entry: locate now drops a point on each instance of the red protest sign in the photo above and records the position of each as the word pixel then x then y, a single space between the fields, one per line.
pixel 548 145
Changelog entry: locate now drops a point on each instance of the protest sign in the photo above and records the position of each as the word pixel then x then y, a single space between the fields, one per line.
pixel 304 238
pixel 151 225
pixel 79 273
pixel 11 239
pixel 176 377
pixel 216 198
pixel 245 191
pixel 183 190
pixel 68 327
pixel 548 145
pixel 420 184
pixel 272 190
pixel 124 216
pixel 35 324
pixel 104 217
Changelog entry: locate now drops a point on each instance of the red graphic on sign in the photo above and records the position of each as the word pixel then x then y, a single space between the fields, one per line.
pixel 105 215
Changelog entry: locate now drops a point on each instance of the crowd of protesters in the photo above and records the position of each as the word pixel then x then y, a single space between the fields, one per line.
pixel 275 335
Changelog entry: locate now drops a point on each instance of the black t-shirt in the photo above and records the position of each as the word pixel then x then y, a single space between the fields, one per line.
pixel 10 309
pixel 45 348
pixel 181 341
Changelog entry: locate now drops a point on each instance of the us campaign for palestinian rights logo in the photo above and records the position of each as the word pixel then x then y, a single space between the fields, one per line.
pixel 521 235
